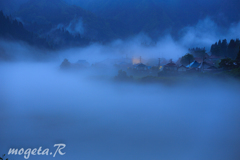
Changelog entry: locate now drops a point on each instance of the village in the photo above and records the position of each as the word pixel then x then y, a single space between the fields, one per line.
pixel 162 65
pixel 196 62
pixel 153 67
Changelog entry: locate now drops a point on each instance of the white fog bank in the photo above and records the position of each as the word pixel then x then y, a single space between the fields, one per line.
pixel 42 106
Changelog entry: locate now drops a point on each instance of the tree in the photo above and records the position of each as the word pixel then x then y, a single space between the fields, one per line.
pixel 197 52
pixel 122 76
pixel 238 58
pixel 187 59
pixel 224 46
pixel 233 48
pixel 65 64
pixel 227 64
pixel 215 49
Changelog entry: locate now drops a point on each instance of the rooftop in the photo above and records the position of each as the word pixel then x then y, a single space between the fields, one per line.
pixel 170 64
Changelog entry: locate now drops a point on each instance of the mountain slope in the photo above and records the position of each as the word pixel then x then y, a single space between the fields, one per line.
pixel 119 22
pixel 107 19
pixel 181 13
pixel 42 16
pixel 13 30
pixel 130 17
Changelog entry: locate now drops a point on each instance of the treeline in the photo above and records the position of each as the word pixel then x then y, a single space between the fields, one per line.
pixel 221 48
pixel 13 30
pixel 61 37
pixel 197 52
pixel 225 49
pixel 42 16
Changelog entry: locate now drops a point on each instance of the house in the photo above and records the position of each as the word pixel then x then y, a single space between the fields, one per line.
pixel 141 67
pixel 206 56
pixel 182 68
pixel 214 58
pixel 82 64
pixel 201 58
pixel 170 67
pixel 123 65
pixel 209 62
pixel 193 70
pixel 194 64
pixel 204 66
pixel 212 68
pixel 179 61
pixel 198 59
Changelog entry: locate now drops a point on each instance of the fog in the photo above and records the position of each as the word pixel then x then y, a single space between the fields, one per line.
pixel 205 33
pixel 103 119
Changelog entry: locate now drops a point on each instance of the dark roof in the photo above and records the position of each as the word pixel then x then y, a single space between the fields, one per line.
pixel 141 65
pixel 207 63
pixel 212 67
pixel 194 64
pixel 182 66
pixel 204 63
pixel 215 57
pixel 198 59
pixel 206 55
pixel 170 64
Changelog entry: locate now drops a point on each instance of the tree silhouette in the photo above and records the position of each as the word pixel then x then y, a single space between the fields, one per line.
pixel 238 58
pixel 187 59
pixel 222 48
pixel 65 64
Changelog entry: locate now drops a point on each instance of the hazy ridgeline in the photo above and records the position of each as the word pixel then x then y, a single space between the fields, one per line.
pixel 204 34
pixel 41 106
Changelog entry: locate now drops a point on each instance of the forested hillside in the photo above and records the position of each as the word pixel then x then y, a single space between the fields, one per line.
pixel 80 22
pixel 225 49
pixel 45 15
pixel 13 30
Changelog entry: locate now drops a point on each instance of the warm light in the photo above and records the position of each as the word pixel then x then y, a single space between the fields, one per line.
pixel 135 60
